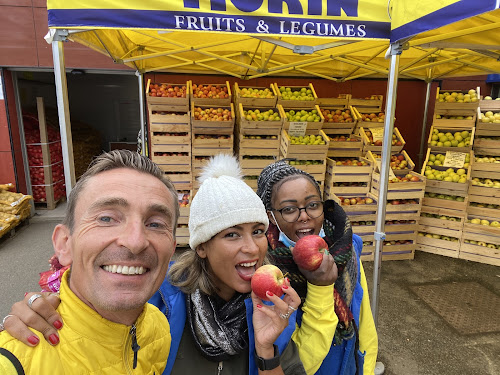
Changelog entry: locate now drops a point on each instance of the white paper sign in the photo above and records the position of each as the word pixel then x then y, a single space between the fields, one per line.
pixel 454 159
pixel 391 172
pixel 297 129
pixel 377 134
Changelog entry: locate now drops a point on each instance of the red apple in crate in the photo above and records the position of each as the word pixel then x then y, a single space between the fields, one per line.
pixel 308 252
pixel 267 278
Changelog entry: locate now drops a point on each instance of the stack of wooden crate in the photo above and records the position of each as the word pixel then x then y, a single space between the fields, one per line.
pixel 258 130
pixel 212 122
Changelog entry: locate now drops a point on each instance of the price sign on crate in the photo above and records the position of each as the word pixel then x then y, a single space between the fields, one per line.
pixel 377 134
pixel 454 159
pixel 297 128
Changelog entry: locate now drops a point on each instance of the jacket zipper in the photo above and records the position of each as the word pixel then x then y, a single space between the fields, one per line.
pixel 219 368
pixel 135 345
pixel 131 340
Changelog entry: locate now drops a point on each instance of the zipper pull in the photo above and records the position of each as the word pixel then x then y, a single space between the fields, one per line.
pixel 219 368
pixel 135 345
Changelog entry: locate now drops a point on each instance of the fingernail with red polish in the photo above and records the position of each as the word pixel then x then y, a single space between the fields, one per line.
pixel 285 286
pixel 53 339
pixel 33 340
pixel 57 324
pixel 259 306
pixel 270 294
pixel 288 280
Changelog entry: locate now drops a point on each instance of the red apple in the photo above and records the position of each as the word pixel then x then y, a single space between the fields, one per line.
pixel 308 252
pixel 267 278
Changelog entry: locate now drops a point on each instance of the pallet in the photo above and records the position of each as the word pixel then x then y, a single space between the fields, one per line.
pixel 173 104
pixel 256 127
pixel 217 102
pixel 443 149
pixel 367 146
pixel 312 127
pixel 303 152
pixel 303 104
pixel 212 127
pixel 255 102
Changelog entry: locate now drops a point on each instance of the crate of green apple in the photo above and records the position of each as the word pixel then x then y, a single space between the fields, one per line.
pixel 312 117
pixel 489 104
pixel 441 218
pixel 296 96
pixel 439 201
pixel 338 121
pixel 253 96
pixel 486 187
pixel 212 120
pixel 437 243
pixel 344 146
pixel 170 94
pixel 397 141
pixel 258 121
pixel 446 180
pixel 456 99
pixel 480 251
pixel 259 145
pixel 308 147
pixel 487 145
pixel 486 167
pixel 211 94
pixel 211 144
pixel 482 206
pixel 454 119
pixel 443 139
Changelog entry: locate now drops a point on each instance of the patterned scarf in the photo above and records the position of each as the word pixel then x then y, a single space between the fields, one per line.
pixel 339 238
pixel 219 328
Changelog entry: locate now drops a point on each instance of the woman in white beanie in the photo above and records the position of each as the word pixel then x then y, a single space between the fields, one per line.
pixel 216 328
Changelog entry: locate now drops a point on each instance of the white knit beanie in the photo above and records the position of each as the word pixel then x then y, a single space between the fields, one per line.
pixel 222 201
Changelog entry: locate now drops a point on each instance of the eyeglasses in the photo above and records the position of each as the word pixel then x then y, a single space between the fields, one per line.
pixel 292 213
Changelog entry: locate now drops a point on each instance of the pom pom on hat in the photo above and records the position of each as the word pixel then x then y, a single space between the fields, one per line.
pixel 223 201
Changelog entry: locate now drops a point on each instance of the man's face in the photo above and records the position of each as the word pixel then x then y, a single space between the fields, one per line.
pixel 121 243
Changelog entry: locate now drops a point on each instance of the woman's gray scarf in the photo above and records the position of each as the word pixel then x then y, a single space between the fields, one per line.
pixel 219 328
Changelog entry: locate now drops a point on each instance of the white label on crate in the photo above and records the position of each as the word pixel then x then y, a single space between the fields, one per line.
pixel 297 129
pixel 454 159
pixel 391 172
pixel 377 134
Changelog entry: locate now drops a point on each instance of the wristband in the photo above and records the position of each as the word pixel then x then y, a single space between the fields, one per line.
pixel 268 364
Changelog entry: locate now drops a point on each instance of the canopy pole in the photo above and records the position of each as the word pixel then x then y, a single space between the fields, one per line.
pixel 424 122
pixel 140 78
pixel 390 108
pixel 63 108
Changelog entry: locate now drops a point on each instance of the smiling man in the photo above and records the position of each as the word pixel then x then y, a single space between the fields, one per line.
pixel 118 235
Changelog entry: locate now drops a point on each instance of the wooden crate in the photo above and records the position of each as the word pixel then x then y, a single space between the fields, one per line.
pixel 212 127
pixel 377 158
pixel 454 118
pixel 257 145
pixel 488 129
pixel 181 181
pixel 251 101
pixel 374 103
pixel 398 251
pixel 212 146
pixel 489 105
pixel 303 152
pixel 464 107
pixel 251 181
pixel 173 104
pixel 356 212
pixel 252 166
pixel 363 118
pixel 487 146
pixel 342 101
pixel 172 162
pixel 165 120
pixel 444 130
pixel 481 234
pixel 348 173
pixel 183 196
pixel 331 127
pixel 400 190
pixel 210 101
pixel 378 149
pixel 296 103
pixel 256 127
pixel 438 246
pixel 448 206
pixel 407 211
pixel 170 143
pixel 313 127
pixel 481 205
pixel 316 168
pixel 182 235
pixel 343 148
pixel 485 170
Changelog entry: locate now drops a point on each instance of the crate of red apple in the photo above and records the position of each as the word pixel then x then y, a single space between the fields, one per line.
pixel 374 141
pixel 212 120
pixel 254 96
pixel 345 146
pixel 338 121
pixel 348 175
pixel 296 96
pixel 169 94
pixel 312 118
pixel 212 94
pixel 405 186
pixel 259 121
pixel 399 163
pixel 362 207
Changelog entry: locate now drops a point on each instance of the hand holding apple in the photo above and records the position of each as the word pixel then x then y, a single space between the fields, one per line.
pixel 325 274
pixel 267 278
pixel 308 252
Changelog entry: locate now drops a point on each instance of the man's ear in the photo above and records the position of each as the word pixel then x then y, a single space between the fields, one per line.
pixel 271 217
pixel 62 244
pixel 201 251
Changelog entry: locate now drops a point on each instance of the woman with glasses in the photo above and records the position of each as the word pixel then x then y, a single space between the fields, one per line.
pixel 337 333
